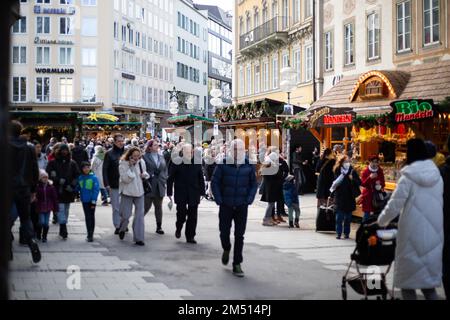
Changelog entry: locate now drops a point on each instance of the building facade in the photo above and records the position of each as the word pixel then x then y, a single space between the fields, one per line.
pixel 271 35
pixel 359 36
pixel 220 47
pixel 93 55
pixel 191 57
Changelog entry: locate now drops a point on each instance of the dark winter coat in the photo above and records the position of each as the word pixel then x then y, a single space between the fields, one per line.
pixel 344 196
pixel 64 173
pixel 290 193
pixel 111 173
pixel 158 175
pixel 369 188
pixel 272 188
pixel 445 171
pixel 208 170
pixel 234 185
pixel 188 181
pixel 326 178
pixel 25 170
pixel 79 155
pixel 46 198
pixel 297 160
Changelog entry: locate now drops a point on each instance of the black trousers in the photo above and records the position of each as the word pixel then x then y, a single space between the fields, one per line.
pixel 34 214
pixel 280 209
pixel 89 215
pixel 21 200
pixel 187 213
pixel 226 216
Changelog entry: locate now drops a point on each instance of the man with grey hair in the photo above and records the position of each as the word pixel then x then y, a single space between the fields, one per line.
pixel 234 188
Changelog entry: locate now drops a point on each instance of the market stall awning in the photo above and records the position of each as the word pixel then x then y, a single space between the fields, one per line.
pixel 426 81
pixel 188 119
pixel 98 123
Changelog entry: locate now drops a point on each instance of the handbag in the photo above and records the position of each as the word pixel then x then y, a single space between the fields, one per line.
pixel 379 200
pixel 146 182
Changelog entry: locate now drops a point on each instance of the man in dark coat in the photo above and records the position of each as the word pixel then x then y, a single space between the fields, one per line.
pixel 298 170
pixel 111 177
pixel 446 253
pixel 64 172
pixel 234 188
pixel 79 154
pixel 187 177
pixel 25 177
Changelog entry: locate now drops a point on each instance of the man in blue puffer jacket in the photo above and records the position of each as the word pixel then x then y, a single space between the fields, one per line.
pixel 234 188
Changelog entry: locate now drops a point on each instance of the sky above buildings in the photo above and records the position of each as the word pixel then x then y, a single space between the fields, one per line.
pixel 226 5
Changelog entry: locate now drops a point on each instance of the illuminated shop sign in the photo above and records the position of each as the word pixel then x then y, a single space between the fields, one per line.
pixel 327 116
pixel 413 110
pixel 62 11
pixel 338 119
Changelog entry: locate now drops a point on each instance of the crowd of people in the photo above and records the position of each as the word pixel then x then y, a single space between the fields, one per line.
pixel 134 175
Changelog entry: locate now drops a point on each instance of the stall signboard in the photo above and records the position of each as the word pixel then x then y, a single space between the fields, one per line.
pixel 327 116
pixel 413 110
pixel 103 116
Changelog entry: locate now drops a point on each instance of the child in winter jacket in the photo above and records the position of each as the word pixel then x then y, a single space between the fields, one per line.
pixel 89 188
pixel 290 193
pixel 46 201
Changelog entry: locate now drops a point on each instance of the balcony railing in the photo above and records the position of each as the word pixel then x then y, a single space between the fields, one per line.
pixel 277 24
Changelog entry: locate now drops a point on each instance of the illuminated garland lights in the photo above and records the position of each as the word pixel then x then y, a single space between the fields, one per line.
pixel 248 111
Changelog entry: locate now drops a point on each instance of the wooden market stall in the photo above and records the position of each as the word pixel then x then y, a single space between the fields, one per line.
pixel 379 111
pixel 191 124
pixel 100 125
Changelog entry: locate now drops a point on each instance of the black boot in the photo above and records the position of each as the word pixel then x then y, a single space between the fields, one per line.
pixel 159 230
pixel 297 225
pixel 55 218
pixel 44 234
pixel 63 231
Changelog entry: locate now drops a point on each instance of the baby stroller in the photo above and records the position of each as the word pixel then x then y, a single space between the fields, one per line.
pixel 375 249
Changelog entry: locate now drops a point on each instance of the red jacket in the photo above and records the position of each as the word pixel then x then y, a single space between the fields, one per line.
pixel 47 198
pixel 369 187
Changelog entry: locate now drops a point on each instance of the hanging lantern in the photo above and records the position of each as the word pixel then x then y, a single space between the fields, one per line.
pixel 382 130
pixel 401 128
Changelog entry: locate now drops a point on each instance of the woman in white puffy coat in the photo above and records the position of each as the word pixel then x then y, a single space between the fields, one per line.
pixel 132 171
pixel 418 200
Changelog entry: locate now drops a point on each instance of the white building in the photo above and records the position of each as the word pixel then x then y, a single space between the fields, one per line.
pixel 93 55
pixel 191 55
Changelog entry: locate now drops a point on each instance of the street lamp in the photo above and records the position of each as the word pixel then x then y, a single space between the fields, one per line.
pixel 191 103
pixel 173 105
pixel 152 120
pixel 288 84
pixel 216 100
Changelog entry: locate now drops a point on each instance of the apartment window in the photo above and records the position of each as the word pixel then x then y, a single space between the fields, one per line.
pixel 297 66
pixel 285 11
pixel 296 10
pixel 19 55
pixel 249 80
pixel 274 9
pixel 150 69
pixel 150 96
pixel 66 1
pixel 328 50
pixel 249 26
pixel 89 89
pixel 144 67
pixel 255 20
pixel 241 27
pixel 403 26
pixel 241 82
pixel 43 1
pixel 89 27
pixel 43 25
pixel 19 89
pixel 309 63
pixel 43 89
pixel 43 55
pixel 116 30
pixel 257 78
pixel 285 60
pixel 373 36
pixel 308 8
pixel 116 59
pixel 348 44
pixel 66 89
pixel 124 33
pixel 116 91
pixel 275 73
pixel 66 25
pixel 89 56
pixel 90 3
pixel 155 71
pixel 430 21
pixel 266 75
pixel 20 26
pixel 65 56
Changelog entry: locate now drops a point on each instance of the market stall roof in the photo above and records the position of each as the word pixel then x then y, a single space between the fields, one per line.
pixel 114 123
pixel 188 118
pixel 426 81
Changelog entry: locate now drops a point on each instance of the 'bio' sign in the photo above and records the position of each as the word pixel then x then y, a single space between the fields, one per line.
pixel 412 110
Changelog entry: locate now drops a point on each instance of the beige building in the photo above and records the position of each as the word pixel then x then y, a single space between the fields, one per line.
pixel 93 55
pixel 271 35
pixel 359 36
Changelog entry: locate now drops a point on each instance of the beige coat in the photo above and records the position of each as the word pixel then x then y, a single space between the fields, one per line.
pixel 130 182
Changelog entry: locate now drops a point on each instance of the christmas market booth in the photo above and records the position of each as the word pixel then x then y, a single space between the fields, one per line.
pixel 379 111
pixel 188 122
pixel 42 126
pixel 100 125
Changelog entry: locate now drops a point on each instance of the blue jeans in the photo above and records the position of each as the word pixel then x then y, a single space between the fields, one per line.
pixel 63 213
pixel 44 218
pixel 343 217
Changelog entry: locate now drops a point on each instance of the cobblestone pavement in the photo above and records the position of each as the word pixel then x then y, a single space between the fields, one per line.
pixel 280 263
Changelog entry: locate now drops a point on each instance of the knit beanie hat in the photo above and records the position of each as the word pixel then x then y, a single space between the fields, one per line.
pixel 416 151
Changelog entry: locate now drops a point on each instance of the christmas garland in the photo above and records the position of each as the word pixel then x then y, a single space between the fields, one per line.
pixel 368 122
